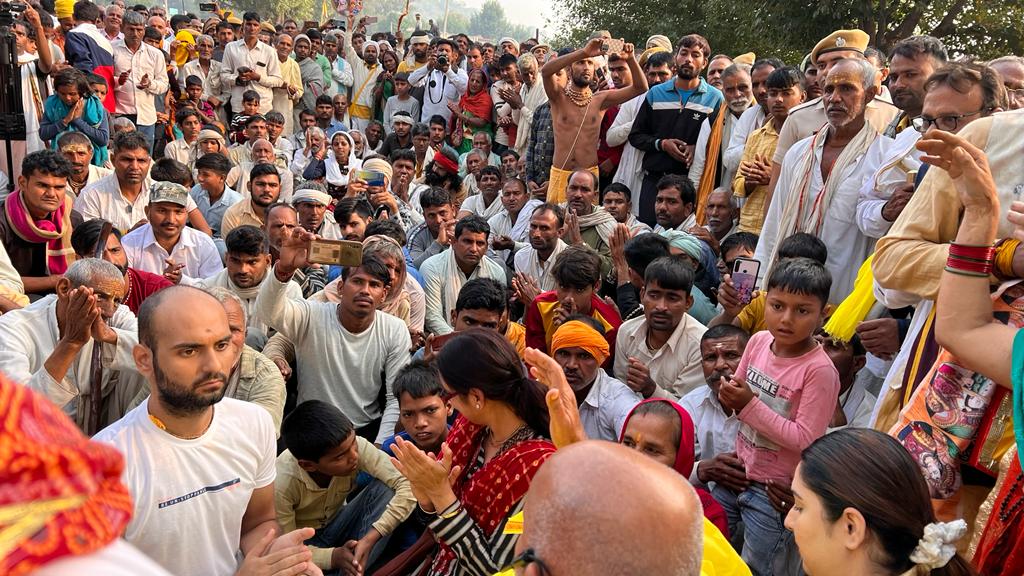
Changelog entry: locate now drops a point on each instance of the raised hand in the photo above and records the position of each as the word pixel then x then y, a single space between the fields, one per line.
pixel 566 427
pixel 594 48
pixel 966 164
pixel 293 253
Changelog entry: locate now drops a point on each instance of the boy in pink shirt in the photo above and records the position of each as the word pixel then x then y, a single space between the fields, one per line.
pixel 785 391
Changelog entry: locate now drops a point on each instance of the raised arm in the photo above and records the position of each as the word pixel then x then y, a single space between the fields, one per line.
pixel 638 87
pixel 963 318
pixel 547 73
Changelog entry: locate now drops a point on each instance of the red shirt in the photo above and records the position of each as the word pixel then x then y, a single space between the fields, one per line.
pixel 141 285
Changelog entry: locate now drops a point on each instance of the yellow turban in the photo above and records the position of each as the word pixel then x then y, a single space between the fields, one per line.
pixel 747 58
pixel 576 334
pixel 64 8
pixel 647 54
pixel 186 40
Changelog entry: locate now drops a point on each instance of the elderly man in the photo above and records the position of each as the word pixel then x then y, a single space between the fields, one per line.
pixel 311 203
pixel 209 70
pixel 164 245
pixel 248 264
pixel 112 22
pixel 312 76
pixel 709 170
pixel 288 95
pixel 579 347
pixel 341 72
pixel 530 97
pixel 251 65
pixel 262 152
pixel 821 177
pixel 48 346
pixel 755 116
pixel 577 129
pixel 77 149
pixel 587 223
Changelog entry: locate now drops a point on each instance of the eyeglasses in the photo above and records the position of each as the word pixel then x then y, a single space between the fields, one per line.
pixel 527 557
pixel 948 123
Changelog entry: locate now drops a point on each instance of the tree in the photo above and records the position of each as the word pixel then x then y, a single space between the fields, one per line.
pixel 490 22
pixel 789 29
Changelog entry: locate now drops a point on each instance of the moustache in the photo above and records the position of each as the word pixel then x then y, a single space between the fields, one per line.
pixel 208 377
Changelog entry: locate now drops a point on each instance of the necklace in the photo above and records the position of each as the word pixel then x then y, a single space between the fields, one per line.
pixel 498 443
pixel 160 424
pixel 128 287
pixel 580 98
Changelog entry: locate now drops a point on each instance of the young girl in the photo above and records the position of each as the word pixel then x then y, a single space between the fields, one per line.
pixel 797 387
pixel 862 509
pixel 75 108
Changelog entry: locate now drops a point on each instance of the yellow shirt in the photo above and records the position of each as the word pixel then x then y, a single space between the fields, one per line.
pixel 237 215
pixel 719 558
pixel 404 66
pixel 761 142
pixel 516 334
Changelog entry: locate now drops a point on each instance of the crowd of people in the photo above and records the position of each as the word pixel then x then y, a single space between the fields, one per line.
pixel 769 309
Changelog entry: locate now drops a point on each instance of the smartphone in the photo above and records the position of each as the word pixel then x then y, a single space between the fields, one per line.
pixel 744 278
pixel 371 19
pixel 613 46
pixel 310 24
pixel 439 341
pixel 336 252
pixel 372 177
pixel 208 6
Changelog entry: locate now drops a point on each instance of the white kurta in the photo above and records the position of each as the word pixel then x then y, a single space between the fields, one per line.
pixel 888 162
pixel 848 245
pixel 630 172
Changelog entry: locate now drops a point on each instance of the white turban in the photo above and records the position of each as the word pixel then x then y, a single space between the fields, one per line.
pixel 308 195
pixel 368 44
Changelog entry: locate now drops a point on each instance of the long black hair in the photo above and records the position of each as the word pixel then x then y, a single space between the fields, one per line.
pixel 484 359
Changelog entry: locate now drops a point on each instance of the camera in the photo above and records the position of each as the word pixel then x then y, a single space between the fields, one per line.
pixel 442 60
pixel 11 11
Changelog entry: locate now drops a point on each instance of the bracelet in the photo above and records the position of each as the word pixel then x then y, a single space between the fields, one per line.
pixel 961 272
pixel 972 253
pixel 1003 259
pixel 451 514
pixel 966 265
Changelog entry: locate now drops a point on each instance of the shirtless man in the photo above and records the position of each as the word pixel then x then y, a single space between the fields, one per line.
pixel 576 111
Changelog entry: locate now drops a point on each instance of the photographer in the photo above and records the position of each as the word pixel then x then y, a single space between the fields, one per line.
pixel 34 64
pixel 444 83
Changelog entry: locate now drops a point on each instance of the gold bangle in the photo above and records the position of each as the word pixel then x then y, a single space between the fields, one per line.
pixel 1003 260
pixel 451 514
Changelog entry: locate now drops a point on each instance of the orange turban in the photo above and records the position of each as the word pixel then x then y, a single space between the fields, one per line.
pixel 60 493
pixel 576 334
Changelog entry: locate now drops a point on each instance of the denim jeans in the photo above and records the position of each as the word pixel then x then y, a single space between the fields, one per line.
pixel 149 132
pixel 355 519
pixel 763 531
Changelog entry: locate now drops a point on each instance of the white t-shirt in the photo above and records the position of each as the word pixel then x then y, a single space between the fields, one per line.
pixel 190 495
pixel 117 559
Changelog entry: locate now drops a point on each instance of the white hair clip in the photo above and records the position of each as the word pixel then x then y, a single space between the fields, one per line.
pixel 938 545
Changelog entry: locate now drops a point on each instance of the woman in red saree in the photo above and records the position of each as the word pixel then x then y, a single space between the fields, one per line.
pixel 964 326
pixel 497 444
pixel 473 113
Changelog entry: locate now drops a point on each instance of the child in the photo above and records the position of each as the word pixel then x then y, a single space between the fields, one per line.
pixel 74 108
pixel 317 473
pixel 797 387
pixel 98 85
pixel 250 107
pixel 194 92
pixel 422 410
pixel 401 100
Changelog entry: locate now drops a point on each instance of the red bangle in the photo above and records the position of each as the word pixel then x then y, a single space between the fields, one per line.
pixel 974 253
pixel 966 265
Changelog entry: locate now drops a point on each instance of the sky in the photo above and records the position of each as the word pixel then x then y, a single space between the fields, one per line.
pixel 532 13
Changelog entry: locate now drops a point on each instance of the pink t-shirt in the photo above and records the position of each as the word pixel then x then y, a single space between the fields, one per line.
pixel 794 399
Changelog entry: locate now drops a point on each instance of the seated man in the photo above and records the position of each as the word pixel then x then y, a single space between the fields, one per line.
pixel 36 222
pixel 164 245
pixel 675 206
pixel 121 197
pixel 577 273
pixel 264 188
pixel 48 346
pixel 248 267
pixel 533 263
pixel 346 353
pixel 263 152
pixel 617 200
pixel 750 317
pixel 317 473
pixel 510 226
pixel 737 245
pixel 445 273
pixel 433 236
pixel 178 444
pixel 352 216
pixel 311 201
pixel 485 203
pixel 281 220
pixel 856 403
pixel 721 348
pixel 138 284
pixel 579 347
pixel 586 222
pixel 631 257
pixel 659 353
pixel 482 303
pixel 77 148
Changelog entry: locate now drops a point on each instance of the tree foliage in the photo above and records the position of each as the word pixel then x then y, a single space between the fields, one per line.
pixel 787 29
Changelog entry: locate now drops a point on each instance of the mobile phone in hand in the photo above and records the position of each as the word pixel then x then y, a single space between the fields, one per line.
pixel 744 278
pixel 208 6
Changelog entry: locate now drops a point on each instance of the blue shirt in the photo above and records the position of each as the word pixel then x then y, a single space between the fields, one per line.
pixel 214 212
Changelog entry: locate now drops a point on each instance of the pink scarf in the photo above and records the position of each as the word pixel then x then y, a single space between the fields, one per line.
pixel 54 231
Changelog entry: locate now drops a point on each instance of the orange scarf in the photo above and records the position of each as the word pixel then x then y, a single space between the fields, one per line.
pixel 710 174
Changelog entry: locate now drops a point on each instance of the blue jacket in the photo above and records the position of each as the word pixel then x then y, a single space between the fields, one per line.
pixel 667 112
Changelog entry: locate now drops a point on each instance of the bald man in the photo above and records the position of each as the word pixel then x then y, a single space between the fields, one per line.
pixel 572 527
pixel 200 479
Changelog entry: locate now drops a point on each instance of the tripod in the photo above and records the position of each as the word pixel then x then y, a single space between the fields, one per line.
pixel 12 115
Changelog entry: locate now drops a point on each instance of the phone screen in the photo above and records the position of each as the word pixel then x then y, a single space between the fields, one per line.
pixel 744 278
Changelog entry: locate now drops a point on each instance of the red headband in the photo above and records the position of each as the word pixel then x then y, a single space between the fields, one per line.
pixel 447 163
pixel 684 455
